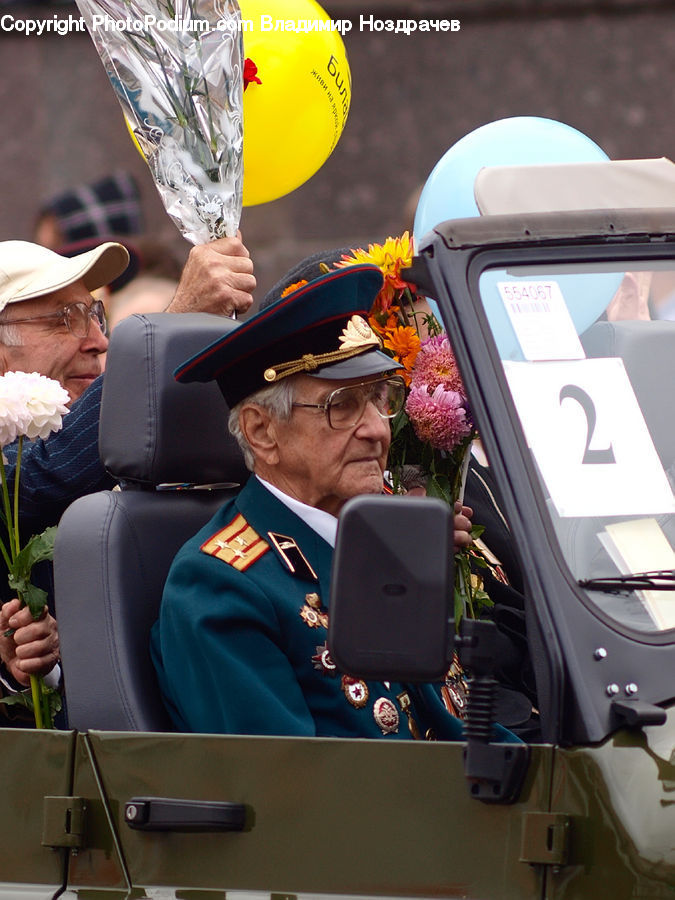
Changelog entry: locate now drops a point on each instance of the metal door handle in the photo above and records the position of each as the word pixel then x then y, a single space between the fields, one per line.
pixel 168 814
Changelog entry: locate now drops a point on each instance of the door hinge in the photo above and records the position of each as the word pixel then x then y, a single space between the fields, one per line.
pixel 545 838
pixel 63 822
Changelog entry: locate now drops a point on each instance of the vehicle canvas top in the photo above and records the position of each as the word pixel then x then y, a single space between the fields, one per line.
pixel 562 201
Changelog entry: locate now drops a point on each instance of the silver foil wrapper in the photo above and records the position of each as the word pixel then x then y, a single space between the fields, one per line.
pixel 176 68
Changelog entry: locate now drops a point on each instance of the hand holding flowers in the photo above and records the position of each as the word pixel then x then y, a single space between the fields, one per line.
pixel 33 647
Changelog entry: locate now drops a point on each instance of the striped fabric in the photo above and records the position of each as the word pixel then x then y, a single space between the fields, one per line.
pixel 56 471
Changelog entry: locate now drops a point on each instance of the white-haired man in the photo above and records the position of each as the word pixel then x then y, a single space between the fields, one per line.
pixel 240 642
pixel 51 324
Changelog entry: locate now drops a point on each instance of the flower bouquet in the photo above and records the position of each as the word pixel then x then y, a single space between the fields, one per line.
pixel 434 431
pixel 31 406
pixel 176 67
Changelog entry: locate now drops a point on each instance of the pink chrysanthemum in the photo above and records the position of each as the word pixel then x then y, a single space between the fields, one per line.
pixel 435 364
pixel 439 416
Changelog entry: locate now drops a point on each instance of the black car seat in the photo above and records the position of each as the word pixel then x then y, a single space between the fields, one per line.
pixel 168 445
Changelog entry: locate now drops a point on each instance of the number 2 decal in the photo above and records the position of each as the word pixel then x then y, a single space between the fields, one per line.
pixel 585 401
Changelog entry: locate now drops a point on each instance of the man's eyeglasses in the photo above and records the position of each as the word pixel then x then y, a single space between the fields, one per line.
pixel 76 317
pixel 345 406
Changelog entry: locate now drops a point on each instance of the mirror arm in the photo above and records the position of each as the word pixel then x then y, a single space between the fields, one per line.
pixel 495 772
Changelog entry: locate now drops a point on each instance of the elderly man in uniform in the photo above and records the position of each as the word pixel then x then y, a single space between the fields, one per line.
pixel 240 644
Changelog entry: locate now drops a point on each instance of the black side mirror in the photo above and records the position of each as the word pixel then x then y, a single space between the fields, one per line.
pixel 391 606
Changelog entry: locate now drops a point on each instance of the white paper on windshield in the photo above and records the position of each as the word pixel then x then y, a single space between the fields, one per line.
pixel 640 545
pixel 541 320
pixel 589 438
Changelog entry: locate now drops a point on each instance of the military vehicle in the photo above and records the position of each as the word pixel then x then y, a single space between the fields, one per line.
pixel 572 393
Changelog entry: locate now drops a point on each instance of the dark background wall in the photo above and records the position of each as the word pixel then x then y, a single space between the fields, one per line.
pixel 603 67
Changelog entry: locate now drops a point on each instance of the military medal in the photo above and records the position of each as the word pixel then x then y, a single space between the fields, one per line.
pixel 310 616
pixel 323 661
pixel 355 690
pixel 312 613
pixel 481 549
pixel 455 691
pixel 386 715
pixel 314 601
pixel 406 706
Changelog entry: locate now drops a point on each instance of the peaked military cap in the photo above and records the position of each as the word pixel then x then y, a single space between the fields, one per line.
pixel 307 269
pixel 320 329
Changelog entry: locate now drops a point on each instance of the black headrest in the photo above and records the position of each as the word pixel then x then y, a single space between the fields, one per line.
pixel 154 430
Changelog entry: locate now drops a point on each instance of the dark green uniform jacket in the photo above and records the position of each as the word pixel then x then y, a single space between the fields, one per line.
pixel 240 642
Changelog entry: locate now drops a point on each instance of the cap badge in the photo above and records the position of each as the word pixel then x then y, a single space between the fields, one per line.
pixel 358 333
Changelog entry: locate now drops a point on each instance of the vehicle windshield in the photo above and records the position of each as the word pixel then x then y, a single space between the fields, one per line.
pixel 589 356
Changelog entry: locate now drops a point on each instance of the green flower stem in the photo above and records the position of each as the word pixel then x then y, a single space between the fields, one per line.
pixel 9 555
pixel 46 712
pixel 9 558
pixel 36 694
pixel 5 554
pixel 17 473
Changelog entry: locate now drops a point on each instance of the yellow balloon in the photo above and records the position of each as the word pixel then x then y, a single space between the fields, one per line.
pixel 294 118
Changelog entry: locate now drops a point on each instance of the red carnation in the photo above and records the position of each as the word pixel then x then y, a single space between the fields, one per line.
pixel 250 73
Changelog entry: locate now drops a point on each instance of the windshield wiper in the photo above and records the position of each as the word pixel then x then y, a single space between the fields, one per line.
pixel 656 580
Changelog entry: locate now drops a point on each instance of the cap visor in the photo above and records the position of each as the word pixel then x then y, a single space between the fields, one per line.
pixel 116 282
pixel 95 268
pixel 372 362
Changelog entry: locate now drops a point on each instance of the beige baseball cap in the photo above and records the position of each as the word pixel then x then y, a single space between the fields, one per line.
pixel 29 270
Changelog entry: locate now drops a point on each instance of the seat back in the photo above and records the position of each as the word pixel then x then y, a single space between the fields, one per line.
pixel 648 353
pixel 114 548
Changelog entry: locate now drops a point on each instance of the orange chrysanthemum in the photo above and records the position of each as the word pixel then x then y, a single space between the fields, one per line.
pixel 381 322
pixel 404 343
pixel 293 287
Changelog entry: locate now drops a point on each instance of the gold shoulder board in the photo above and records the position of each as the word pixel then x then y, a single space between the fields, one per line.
pixel 237 544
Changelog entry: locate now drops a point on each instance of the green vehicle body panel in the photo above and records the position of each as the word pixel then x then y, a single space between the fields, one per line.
pixel 620 798
pixel 359 818
pixel 99 863
pixel 34 765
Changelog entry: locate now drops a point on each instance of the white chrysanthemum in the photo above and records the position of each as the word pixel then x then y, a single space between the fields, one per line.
pixel 31 405
pixel 13 411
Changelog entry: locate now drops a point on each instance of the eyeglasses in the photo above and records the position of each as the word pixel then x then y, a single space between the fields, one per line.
pixel 76 317
pixel 344 407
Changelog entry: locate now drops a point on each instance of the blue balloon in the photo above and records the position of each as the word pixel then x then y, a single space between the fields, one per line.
pixel 449 194
pixel 519 141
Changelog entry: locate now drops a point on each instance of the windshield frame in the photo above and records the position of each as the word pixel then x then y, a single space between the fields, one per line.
pixel 566 631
